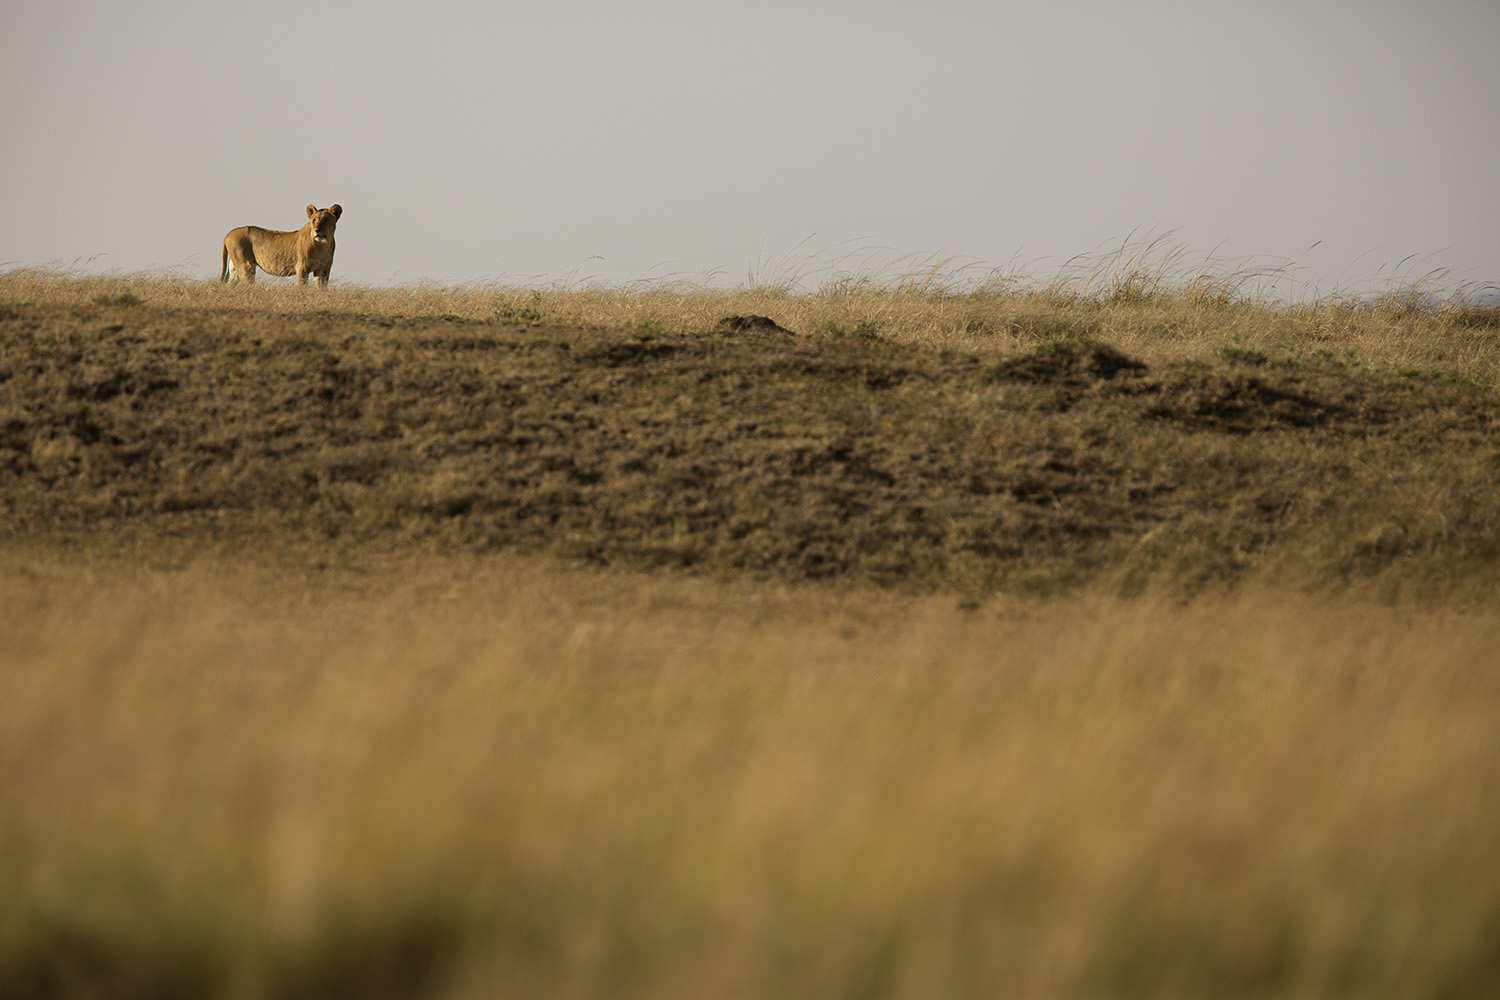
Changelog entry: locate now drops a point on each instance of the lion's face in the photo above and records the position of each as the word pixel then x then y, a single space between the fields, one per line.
pixel 323 220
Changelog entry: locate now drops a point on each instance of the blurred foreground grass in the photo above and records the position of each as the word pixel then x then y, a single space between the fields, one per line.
pixel 227 775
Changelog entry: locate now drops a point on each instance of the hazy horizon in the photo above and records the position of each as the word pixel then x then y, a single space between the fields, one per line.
pixel 1353 144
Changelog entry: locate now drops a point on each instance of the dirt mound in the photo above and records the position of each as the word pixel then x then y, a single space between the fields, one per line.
pixel 1069 362
pixel 752 324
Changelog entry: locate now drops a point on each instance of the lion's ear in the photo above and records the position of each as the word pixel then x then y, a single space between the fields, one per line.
pixel 336 210
pixel 311 211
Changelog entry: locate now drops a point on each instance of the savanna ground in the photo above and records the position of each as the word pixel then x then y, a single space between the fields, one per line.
pixel 1124 638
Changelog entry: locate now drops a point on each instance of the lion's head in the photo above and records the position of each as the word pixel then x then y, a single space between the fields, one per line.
pixel 323 220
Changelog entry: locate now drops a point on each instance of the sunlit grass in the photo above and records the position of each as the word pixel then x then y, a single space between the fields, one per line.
pixel 1145 294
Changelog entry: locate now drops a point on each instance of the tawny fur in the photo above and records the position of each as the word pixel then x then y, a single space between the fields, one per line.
pixel 308 251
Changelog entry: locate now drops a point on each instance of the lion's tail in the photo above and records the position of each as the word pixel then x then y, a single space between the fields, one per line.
pixel 224 262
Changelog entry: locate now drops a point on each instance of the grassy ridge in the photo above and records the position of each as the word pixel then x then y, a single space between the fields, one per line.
pixel 1045 458
pixel 1143 308
pixel 436 643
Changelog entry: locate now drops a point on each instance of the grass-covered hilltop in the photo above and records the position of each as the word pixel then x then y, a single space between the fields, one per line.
pixel 1129 634
pixel 904 436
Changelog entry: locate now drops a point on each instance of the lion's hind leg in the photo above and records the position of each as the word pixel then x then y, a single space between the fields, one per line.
pixel 239 254
pixel 244 269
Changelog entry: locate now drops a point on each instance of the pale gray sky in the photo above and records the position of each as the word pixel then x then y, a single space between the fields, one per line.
pixel 531 142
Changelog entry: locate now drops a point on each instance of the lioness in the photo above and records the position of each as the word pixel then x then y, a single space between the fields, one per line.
pixel 307 251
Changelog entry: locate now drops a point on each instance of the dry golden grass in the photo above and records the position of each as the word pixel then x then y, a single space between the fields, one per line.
pixel 311 684
pixel 470 778
pixel 489 777
pixel 1146 296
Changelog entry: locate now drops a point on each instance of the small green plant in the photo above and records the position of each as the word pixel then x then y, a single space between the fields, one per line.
pixel 118 299
pixel 74 409
pixel 649 329
pixel 1066 345
pixel 1438 376
pixel 865 329
pixel 1347 358
pixel 1454 378
pixel 1234 350
pixel 529 312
